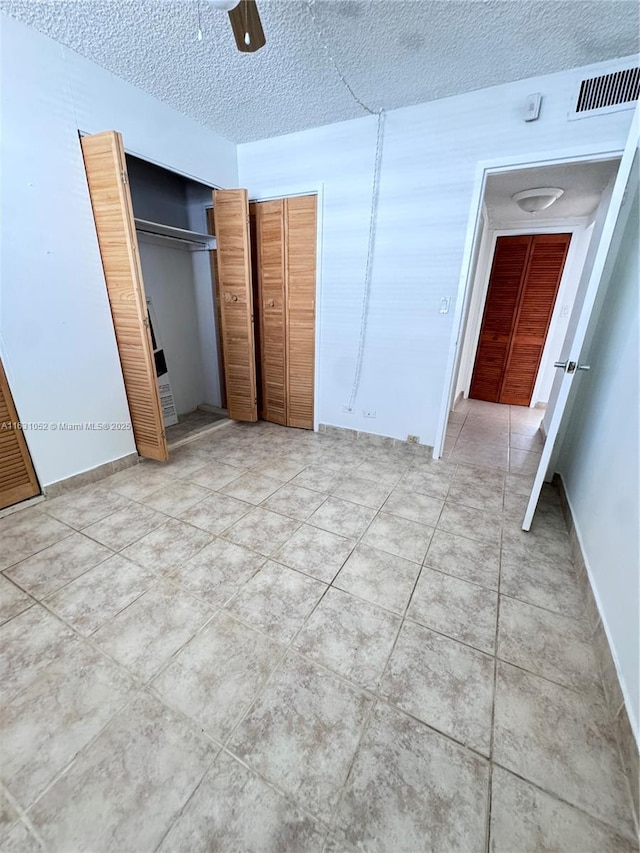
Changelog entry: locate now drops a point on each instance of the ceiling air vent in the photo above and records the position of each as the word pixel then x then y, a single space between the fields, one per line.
pixel 607 93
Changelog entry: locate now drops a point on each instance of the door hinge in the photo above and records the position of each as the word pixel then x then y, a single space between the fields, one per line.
pixel 123 176
pixel 145 321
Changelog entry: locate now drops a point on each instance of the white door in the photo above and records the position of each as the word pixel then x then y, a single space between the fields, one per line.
pixel 622 198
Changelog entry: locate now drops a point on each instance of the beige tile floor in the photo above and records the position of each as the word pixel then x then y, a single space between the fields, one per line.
pixel 192 424
pixel 503 437
pixel 283 641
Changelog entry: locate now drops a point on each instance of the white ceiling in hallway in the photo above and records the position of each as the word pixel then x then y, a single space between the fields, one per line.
pixel 394 53
pixel 582 184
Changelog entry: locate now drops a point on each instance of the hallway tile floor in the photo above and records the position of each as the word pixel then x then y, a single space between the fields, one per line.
pixel 504 437
pixel 287 641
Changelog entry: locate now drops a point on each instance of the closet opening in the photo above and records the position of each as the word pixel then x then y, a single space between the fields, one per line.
pixel 171 215
pixel 211 323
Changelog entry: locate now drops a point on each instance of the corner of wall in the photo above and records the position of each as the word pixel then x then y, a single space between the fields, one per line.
pixel 613 686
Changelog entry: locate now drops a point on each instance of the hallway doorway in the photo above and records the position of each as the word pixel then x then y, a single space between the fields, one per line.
pixel 503 372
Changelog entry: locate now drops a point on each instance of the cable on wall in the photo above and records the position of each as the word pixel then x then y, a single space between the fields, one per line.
pixel 199 31
pixel 374 203
pixel 369 268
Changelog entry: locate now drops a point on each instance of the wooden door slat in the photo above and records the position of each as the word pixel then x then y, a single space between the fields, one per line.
pixel 213 256
pixel 505 282
pixel 533 316
pixel 270 273
pixel 231 214
pixel 105 166
pixel 18 479
pixel 524 282
pixel 300 218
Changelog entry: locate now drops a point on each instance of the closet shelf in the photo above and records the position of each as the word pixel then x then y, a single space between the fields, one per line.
pixel 193 238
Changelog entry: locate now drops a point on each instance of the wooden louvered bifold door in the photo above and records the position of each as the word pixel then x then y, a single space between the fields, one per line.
pixel 105 166
pixel 300 265
pixel 213 258
pixel 270 273
pixel 535 306
pixel 231 213
pixel 507 275
pixel 17 478
pixel 524 282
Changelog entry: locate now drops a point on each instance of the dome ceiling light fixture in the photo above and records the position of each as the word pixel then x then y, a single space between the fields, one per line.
pixel 532 201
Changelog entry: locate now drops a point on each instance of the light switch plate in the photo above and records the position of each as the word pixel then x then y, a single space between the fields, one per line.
pixel 532 108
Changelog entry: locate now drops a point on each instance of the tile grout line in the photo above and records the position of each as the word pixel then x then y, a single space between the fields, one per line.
pixel 289 649
pixel 22 817
pixel 493 703
pixel 359 687
pixel 555 796
pixel 374 704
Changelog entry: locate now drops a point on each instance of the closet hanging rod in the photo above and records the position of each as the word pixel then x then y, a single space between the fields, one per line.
pixel 194 238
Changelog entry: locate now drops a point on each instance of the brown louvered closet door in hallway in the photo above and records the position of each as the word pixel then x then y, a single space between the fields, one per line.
pixel 17 478
pixel 524 282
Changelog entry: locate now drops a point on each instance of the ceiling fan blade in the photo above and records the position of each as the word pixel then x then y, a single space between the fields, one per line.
pixel 247 26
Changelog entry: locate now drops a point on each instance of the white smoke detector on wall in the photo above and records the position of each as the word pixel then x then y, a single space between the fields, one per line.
pixel 537 199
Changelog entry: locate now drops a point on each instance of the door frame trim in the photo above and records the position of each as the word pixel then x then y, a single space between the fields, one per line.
pixel 485 168
pixel 292 191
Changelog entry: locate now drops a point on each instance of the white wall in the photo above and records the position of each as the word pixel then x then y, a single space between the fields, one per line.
pixel 600 463
pixel 429 163
pixel 169 284
pixel 198 199
pixel 56 335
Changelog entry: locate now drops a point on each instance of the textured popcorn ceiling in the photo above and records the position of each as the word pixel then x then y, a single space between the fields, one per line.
pixel 393 53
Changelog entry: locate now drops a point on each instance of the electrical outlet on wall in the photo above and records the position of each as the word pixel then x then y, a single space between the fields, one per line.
pixel 413 439
pixel 369 413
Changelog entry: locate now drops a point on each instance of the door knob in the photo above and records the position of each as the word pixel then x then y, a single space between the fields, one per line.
pixel 571 366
